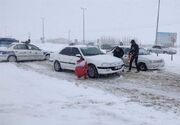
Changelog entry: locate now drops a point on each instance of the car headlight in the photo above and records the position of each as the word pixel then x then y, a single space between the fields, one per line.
pixel 111 64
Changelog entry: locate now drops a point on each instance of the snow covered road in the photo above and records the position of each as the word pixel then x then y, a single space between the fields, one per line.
pixel 158 89
pixel 32 93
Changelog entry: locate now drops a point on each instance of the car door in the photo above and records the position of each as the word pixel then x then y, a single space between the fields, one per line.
pixel 65 58
pixel 35 52
pixel 74 58
pixel 21 52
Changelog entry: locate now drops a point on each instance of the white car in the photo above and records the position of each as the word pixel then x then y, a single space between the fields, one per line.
pixel 22 52
pixel 98 62
pixel 162 49
pixel 145 59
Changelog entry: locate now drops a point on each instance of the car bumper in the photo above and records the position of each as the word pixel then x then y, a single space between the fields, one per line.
pixel 156 65
pixel 3 58
pixel 110 70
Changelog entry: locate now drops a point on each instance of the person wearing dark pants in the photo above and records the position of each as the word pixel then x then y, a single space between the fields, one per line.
pixel 134 52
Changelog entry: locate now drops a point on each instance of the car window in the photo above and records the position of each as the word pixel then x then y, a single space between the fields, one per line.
pixel 32 47
pixel 75 51
pixel 143 51
pixel 21 47
pixel 157 47
pixel 91 51
pixel 4 43
pixel 126 51
pixel 66 51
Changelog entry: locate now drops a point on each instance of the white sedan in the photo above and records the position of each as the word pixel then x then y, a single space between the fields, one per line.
pixel 145 59
pixel 22 52
pixel 99 63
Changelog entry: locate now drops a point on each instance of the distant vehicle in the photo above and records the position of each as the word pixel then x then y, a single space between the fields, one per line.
pixel 5 42
pixel 99 63
pixel 145 60
pixel 161 49
pixel 107 47
pixel 22 52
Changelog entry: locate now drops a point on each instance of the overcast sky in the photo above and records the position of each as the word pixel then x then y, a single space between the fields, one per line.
pixel 115 18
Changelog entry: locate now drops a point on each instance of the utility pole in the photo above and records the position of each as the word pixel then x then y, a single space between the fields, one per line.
pixel 83 9
pixel 157 25
pixel 42 39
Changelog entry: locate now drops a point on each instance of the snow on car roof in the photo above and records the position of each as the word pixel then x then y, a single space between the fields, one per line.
pixel 79 46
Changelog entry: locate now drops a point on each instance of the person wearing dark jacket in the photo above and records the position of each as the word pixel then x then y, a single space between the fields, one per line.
pixel 118 52
pixel 134 52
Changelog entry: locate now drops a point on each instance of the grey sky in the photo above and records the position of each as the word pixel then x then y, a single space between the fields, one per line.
pixel 103 18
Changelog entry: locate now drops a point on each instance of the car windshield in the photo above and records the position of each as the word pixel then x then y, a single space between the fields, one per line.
pixel 91 51
pixel 143 51
pixel 10 45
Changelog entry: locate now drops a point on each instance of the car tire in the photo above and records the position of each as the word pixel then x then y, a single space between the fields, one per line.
pixel 57 66
pixel 47 57
pixel 92 72
pixel 142 67
pixel 12 59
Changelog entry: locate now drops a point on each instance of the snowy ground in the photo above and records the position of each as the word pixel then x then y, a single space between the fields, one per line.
pixel 172 66
pixel 32 93
pixel 28 97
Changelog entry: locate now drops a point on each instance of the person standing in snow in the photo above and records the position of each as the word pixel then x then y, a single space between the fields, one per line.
pixel 133 54
pixel 118 52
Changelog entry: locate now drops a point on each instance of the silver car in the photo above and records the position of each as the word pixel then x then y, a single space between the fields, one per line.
pixel 145 59
pixel 22 52
pixel 161 49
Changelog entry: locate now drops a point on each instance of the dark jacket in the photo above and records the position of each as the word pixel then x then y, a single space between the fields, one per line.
pixel 118 52
pixel 134 50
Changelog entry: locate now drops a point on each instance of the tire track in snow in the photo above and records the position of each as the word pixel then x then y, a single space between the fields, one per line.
pixel 158 89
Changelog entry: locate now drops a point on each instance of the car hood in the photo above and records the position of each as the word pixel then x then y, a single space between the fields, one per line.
pixel 99 59
pixel 150 57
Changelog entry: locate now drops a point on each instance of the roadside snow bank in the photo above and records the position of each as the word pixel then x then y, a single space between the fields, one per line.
pixel 172 65
pixel 29 98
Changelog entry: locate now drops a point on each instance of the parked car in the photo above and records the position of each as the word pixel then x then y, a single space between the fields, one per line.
pixel 98 62
pixel 5 42
pixel 161 49
pixel 21 52
pixel 145 60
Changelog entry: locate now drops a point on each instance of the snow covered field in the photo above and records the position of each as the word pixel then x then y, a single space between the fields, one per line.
pixel 32 93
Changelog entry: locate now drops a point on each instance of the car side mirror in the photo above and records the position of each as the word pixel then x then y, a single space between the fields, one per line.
pixel 78 55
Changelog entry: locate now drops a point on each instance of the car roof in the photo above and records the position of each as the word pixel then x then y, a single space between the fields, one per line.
pixel 124 46
pixel 79 46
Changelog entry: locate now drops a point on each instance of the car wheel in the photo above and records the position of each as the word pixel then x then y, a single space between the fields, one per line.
pixel 47 57
pixel 142 66
pixel 12 59
pixel 57 66
pixel 92 71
